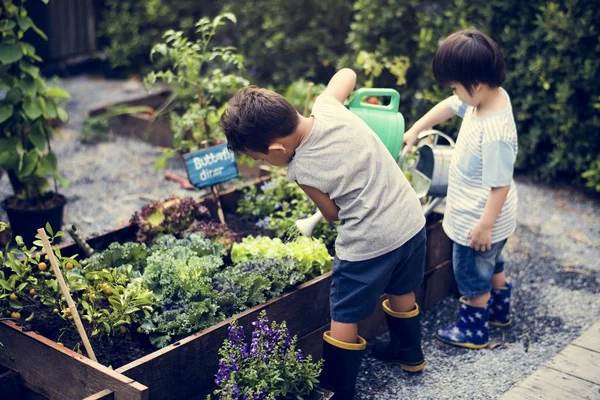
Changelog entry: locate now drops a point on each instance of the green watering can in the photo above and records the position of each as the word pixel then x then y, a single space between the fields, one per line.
pixel 386 121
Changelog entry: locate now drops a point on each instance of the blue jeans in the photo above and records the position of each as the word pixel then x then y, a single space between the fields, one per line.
pixel 473 269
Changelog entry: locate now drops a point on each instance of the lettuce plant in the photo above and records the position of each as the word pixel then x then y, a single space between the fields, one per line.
pixel 313 258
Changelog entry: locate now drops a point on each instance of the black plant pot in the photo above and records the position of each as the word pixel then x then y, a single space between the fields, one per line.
pixel 25 222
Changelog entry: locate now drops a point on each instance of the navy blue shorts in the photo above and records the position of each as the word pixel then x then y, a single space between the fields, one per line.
pixel 357 285
pixel 473 269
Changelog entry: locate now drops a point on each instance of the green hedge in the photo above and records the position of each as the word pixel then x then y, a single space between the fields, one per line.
pixel 550 48
pixel 553 73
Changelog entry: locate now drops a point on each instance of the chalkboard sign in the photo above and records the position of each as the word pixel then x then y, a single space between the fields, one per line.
pixel 210 166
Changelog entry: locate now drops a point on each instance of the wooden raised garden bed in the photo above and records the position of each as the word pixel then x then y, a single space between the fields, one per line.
pixel 188 366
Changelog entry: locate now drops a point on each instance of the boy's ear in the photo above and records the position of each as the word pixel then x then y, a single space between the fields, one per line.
pixel 476 87
pixel 274 147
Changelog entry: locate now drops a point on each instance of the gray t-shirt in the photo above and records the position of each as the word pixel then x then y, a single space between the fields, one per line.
pixel 345 159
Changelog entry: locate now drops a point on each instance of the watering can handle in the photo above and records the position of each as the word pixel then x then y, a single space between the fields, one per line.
pixel 376 92
pixel 437 134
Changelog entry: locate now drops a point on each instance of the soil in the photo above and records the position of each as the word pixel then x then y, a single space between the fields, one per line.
pixel 116 352
pixel 47 201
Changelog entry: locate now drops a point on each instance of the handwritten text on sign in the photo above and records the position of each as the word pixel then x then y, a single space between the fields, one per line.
pixel 210 166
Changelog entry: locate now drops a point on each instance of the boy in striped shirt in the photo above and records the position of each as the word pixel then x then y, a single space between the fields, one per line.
pixel 481 203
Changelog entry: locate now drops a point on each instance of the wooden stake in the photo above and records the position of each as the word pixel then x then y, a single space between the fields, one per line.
pixel 215 193
pixel 308 98
pixel 65 291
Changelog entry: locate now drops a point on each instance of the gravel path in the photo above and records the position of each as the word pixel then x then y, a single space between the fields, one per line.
pixel 553 260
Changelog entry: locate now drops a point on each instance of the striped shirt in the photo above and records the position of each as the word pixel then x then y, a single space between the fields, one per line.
pixel 483 158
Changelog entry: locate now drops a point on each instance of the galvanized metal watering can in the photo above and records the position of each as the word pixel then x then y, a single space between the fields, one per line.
pixel 433 161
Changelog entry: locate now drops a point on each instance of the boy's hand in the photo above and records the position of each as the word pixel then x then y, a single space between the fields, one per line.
pixel 411 137
pixel 481 237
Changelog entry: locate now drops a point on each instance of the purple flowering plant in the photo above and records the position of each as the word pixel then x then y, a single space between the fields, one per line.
pixel 269 367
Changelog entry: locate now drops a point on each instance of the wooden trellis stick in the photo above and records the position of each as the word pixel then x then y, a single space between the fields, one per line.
pixel 65 291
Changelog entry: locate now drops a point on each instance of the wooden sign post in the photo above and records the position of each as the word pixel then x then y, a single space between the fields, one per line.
pixel 209 167
pixel 65 292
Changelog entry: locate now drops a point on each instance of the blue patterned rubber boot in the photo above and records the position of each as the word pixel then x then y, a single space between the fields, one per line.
pixel 471 329
pixel 499 306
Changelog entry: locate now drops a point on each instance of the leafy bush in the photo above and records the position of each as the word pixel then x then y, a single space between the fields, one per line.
pixel 552 74
pixel 284 40
pixel 129 28
pixel 204 76
pixel 269 367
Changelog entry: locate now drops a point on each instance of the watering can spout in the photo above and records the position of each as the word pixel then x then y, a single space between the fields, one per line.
pixel 307 225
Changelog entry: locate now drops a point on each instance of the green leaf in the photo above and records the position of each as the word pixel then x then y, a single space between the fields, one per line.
pixel 5 284
pixel 56 92
pixel 38 30
pixel 49 229
pixel 51 109
pixel 24 23
pixel 6 111
pixel 30 316
pixel 161 162
pixel 21 286
pixel 10 53
pixel 32 109
pixel 62 114
pixel 30 160
pixel 30 69
pixel 38 138
pixel 7 25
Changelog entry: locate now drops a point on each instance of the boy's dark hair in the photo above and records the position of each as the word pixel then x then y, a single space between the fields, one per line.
pixel 469 57
pixel 255 117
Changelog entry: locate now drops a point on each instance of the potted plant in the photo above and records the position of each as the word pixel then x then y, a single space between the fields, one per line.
pixel 28 111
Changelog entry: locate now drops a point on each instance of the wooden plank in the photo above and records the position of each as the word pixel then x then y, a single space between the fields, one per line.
pixel 549 384
pixel 590 339
pixel 578 362
pixel 439 246
pixel 10 385
pixel 438 284
pixel 188 366
pixel 103 395
pixel 59 373
pixel 312 344
pixel 154 99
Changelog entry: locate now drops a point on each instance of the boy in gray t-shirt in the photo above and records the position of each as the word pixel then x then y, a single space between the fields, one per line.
pixel 350 175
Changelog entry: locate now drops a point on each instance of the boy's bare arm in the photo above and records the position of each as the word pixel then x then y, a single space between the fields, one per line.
pixel 439 113
pixel 481 235
pixel 341 84
pixel 327 206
